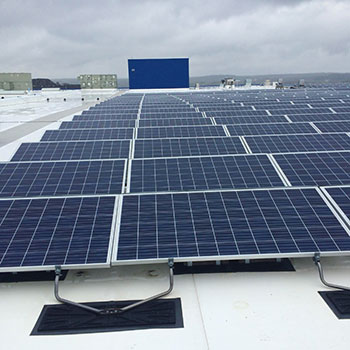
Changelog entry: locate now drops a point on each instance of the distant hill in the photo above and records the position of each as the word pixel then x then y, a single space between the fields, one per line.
pixel 288 79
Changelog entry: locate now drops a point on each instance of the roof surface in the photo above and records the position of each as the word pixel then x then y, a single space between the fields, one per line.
pixel 264 310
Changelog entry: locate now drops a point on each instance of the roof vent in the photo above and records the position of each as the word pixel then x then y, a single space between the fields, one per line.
pixel 68 319
pixel 338 302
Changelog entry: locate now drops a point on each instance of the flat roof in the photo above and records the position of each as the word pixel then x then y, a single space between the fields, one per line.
pixel 262 310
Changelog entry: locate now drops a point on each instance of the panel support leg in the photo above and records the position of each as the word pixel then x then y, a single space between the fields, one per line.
pixel 69 302
pixel 115 310
pixel 317 261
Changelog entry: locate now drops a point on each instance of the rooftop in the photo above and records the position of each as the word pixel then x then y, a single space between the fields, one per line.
pixel 265 310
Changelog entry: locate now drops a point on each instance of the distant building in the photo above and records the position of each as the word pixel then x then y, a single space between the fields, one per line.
pixel 279 84
pixel 44 83
pixel 229 82
pixel 301 83
pixel 98 81
pixel 248 83
pixel 15 81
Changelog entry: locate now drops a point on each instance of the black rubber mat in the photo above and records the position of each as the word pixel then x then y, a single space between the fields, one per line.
pixel 257 265
pixel 67 319
pixel 30 276
pixel 338 302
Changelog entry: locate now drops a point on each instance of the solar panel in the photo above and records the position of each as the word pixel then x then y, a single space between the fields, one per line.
pixel 41 233
pixel 342 109
pixel 73 150
pixel 96 117
pixel 180 131
pixel 88 134
pixel 174 122
pixel 114 111
pixel 251 120
pixel 341 196
pixel 334 126
pixel 279 128
pixel 111 113
pixel 178 154
pixel 292 111
pixel 232 224
pixel 61 178
pixel 298 143
pixel 172 115
pixel 316 169
pixel 233 113
pixel 319 117
pixel 277 105
pixel 202 173
pixel 225 108
pixel 103 124
pixel 164 110
pixel 327 104
pixel 155 148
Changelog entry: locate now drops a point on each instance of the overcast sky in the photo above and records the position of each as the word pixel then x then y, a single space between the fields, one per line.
pixel 62 39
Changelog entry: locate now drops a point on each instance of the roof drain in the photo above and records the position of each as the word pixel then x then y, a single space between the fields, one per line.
pixel 118 309
pixel 317 261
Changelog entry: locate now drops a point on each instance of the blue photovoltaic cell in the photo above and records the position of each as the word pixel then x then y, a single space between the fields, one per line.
pixel 114 111
pixel 174 122
pixel 225 108
pixel 132 108
pixel 155 148
pixel 169 113
pixel 202 173
pixel 73 150
pixel 117 115
pixel 298 143
pixel 108 114
pixel 234 113
pixel 316 169
pixel 172 115
pixel 167 106
pixel 180 131
pixel 342 109
pixel 233 223
pixel 341 196
pixel 55 231
pixel 293 110
pixel 88 134
pixel 61 178
pixel 328 104
pixel 251 120
pixel 334 126
pixel 98 124
pixel 266 129
pixel 278 105
pixel 319 117
pixel 87 117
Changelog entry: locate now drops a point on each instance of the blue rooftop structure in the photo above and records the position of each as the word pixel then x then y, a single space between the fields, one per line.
pixel 158 73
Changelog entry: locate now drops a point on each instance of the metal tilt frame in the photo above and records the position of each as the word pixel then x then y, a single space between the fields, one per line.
pixel 118 309
pixel 317 261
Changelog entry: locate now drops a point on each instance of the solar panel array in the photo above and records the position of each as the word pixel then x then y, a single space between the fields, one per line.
pixel 201 175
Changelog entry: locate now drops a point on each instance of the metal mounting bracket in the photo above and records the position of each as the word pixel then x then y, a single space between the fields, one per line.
pixel 317 261
pixel 114 310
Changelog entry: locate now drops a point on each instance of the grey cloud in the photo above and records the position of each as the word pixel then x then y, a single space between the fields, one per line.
pixel 66 38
